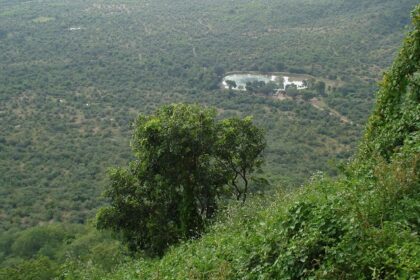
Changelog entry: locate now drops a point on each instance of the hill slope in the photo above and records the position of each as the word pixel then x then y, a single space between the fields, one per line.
pixel 74 74
pixel 362 226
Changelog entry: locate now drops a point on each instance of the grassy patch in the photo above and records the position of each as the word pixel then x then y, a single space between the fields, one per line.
pixel 43 19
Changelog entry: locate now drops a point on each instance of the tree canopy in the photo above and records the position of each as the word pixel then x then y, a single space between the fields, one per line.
pixel 185 161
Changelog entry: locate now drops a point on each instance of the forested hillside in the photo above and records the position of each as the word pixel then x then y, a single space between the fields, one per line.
pixel 74 75
pixel 362 225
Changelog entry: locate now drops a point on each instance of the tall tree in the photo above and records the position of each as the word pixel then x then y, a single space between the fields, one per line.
pixel 171 189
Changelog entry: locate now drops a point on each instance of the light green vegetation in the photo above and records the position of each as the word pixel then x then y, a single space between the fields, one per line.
pixel 328 230
pixel 42 19
pixel 363 225
pixel 68 98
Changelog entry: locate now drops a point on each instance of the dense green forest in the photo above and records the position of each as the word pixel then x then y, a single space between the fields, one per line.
pixel 75 75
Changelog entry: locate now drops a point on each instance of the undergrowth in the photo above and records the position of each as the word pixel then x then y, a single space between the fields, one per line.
pixel 354 228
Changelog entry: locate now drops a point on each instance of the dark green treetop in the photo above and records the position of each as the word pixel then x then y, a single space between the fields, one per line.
pixel 185 160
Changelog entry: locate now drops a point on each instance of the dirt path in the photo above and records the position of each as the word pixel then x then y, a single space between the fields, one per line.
pixel 320 105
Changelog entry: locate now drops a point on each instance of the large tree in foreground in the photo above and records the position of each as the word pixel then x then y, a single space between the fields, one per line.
pixel 185 160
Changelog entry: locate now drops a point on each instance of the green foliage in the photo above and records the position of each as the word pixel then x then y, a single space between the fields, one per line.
pixel 185 160
pixel 261 87
pixel 41 252
pixel 69 95
pixel 320 87
pixel 363 225
pixel 395 121
pixel 67 98
pixel 231 84
pixel 292 91
pixel 39 268
pixel 345 229
pixel 44 240
pixel 238 148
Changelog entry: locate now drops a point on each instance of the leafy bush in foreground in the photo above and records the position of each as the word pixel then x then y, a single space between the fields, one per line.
pixel 356 228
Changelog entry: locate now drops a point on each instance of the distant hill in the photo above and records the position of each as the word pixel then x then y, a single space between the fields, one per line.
pixel 74 74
